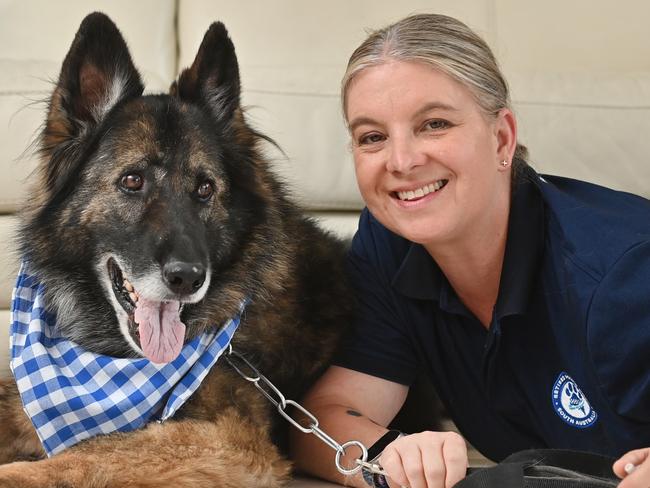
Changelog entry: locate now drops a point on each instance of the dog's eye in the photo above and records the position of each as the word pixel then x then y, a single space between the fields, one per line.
pixel 205 190
pixel 132 182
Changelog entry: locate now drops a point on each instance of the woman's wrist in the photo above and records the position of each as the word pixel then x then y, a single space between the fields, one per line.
pixel 376 480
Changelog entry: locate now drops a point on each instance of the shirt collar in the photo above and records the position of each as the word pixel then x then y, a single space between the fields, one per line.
pixel 420 277
pixel 524 247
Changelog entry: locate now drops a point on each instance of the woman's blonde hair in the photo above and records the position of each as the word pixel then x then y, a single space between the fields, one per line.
pixel 444 43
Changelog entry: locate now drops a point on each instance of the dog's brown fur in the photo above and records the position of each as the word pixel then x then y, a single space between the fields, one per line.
pixel 260 245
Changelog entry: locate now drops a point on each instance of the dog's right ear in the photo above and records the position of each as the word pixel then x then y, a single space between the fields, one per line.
pixel 97 73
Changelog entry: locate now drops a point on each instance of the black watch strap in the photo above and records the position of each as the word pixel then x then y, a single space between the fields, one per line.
pixel 372 479
pixel 378 447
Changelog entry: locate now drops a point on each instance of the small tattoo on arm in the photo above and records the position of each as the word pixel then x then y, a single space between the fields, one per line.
pixel 354 413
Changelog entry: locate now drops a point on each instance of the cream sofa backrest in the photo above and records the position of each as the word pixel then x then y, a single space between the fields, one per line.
pixel 579 73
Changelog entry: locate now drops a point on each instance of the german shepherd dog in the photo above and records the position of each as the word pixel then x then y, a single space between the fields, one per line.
pixel 171 194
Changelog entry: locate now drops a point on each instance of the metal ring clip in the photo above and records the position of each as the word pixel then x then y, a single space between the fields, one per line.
pixel 355 469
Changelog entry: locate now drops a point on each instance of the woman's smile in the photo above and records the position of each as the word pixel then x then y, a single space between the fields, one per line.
pixel 419 192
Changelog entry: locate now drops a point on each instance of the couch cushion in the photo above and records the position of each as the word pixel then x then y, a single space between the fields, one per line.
pixel 8 259
pixel 580 36
pixel 587 126
pixel 341 224
pixel 42 30
pixel 21 113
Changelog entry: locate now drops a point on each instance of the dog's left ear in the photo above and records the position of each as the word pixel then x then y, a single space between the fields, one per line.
pixel 213 78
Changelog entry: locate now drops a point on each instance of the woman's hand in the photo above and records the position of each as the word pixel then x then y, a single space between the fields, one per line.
pixel 425 460
pixel 640 476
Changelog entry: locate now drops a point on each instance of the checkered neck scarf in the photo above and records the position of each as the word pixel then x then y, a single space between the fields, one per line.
pixel 71 394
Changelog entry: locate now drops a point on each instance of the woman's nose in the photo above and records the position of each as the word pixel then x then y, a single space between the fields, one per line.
pixel 404 154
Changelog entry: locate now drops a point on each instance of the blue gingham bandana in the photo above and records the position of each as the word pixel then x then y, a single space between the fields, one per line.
pixel 71 394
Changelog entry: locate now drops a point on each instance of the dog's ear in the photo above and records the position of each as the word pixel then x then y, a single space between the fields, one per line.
pixel 97 74
pixel 213 78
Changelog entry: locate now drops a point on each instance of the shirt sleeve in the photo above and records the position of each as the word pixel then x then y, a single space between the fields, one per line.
pixel 378 344
pixel 618 329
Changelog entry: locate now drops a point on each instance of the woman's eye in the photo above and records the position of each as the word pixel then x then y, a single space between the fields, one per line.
pixel 437 124
pixel 132 182
pixel 372 138
pixel 205 190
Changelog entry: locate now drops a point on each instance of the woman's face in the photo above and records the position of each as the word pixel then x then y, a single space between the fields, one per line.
pixel 427 158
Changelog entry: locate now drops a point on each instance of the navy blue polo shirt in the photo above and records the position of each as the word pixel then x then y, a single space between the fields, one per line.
pixel 565 362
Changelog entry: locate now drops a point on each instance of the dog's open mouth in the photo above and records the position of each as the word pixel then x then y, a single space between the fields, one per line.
pixel 156 326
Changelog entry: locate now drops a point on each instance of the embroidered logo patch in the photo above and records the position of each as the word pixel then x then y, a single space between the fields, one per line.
pixel 571 404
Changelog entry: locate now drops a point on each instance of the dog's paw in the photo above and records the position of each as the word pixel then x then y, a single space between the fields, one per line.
pixel 36 474
pixel 19 475
pixel 25 474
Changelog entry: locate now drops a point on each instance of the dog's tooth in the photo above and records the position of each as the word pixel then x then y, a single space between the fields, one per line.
pixel 133 296
pixel 128 285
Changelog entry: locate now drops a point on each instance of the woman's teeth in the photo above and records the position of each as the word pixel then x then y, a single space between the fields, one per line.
pixel 420 192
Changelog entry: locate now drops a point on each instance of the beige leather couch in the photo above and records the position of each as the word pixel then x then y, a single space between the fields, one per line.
pixel 579 73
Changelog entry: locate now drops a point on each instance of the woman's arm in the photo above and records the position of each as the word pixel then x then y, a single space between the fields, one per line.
pixel 355 406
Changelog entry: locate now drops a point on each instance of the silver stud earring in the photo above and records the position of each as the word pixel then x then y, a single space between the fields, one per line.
pixel 505 163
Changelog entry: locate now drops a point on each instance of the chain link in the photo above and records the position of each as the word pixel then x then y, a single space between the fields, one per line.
pixel 242 366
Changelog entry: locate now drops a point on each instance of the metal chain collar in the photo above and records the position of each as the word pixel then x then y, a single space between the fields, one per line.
pixel 275 396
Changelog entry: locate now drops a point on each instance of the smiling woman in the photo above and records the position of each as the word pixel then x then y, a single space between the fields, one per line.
pixel 504 286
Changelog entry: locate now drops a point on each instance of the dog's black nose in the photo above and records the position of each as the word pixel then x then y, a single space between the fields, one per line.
pixel 184 278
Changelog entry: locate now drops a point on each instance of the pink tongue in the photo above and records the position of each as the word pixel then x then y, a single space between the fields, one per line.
pixel 161 330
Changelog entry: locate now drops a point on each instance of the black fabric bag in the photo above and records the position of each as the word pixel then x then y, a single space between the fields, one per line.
pixel 545 468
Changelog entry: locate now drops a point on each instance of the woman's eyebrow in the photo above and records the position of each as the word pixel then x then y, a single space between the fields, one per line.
pixel 435 106
pixel 361 120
